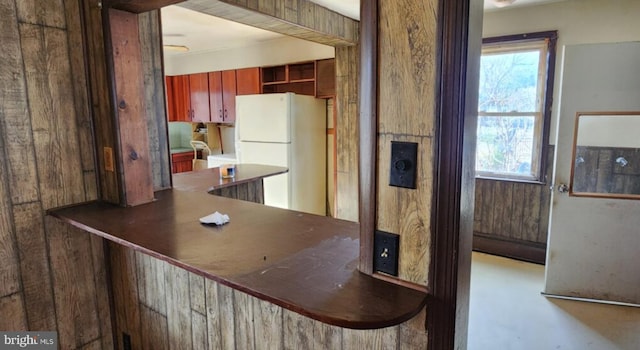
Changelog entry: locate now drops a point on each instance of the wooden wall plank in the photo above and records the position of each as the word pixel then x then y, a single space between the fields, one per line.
pixel 310 21
pixel 198 293
pixel 267 325
pixel 151 282
pixel 74 284
pixel 383 338
pixel 178 307
pixel 101 108
pixel 297 330
pixel 153 327
pixel 34 266
pixel 227 318
pixel 525 220
pixel 53 117
pixel 407 62
pixel 326 336
pixel 44 13
pixel 199 331
pixel 155 111
pixel 214 322
pixel 530 198
pixel 124 281
pixel 102 281
pixel 413 334
pixel 9 266
pixel 81 97
pixel 94 345
pixel 13 313
pixel 243 312
pixel 346 105
pixel 19 155
pixel 130 99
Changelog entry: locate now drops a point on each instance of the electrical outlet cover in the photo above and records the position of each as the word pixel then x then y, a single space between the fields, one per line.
pixel 385 249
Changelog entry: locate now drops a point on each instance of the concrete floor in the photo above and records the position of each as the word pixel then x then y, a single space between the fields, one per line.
pixel 507 312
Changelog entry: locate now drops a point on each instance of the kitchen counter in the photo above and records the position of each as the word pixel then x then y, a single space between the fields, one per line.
pixel 302 262
pixel 181 150
pixel 209 180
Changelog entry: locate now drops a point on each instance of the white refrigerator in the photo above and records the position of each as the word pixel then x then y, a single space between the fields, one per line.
pixel 286 130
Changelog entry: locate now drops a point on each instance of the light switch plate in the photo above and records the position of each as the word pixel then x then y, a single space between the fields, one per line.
pixel 404 159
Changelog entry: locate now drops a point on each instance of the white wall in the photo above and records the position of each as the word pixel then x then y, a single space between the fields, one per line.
pixel 267 53
pixel 577 22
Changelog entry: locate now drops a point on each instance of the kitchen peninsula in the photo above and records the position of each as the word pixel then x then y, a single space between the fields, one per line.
pixel 301 262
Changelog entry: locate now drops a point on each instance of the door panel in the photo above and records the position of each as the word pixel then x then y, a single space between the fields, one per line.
pixel 215 97
pixel 199 92
pixel 594 242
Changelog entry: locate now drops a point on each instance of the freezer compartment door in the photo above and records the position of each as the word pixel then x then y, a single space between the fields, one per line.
pixel 263 118
pixel 277 189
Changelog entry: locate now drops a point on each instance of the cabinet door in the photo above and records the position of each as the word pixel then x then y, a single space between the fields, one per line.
pixel 170 99
pixel 181 162
pixel 248 81
pixel 326 78
pixel 229 95
pixel 215 97
pixel 181 98
pixel 199 93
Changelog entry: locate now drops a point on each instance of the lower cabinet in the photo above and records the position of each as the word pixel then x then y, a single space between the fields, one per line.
pixel 181 162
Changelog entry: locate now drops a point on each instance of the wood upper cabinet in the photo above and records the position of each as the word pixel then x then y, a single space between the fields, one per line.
pixel 315 78
pixel 178 98
pixel 248 81
pixel 188 98
pixel 326 78
pixel 171 104
pixel 199 97
pixel 222 96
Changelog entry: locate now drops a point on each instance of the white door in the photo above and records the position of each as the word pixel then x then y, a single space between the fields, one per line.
pixel 593 250
pixel 277 189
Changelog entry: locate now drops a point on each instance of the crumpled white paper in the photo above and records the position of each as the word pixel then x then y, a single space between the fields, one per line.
pixel 215 219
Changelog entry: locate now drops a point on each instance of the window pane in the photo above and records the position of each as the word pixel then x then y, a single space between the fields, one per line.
pixel 508 81
pixel 505 145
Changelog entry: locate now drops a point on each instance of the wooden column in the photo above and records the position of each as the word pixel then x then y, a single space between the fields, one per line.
pixel 132 155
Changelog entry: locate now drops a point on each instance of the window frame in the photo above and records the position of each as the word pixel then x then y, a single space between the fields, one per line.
pixel 541 141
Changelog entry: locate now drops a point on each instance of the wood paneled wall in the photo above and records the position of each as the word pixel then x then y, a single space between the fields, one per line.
pixel 302 19
pixel 512 218
pixel 346 104
pixel 407 71
pixel 51 276
pixel 161 306
pixel 155 105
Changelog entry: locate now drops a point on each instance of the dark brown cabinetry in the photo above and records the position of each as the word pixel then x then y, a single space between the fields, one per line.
pixel 178 98
pixel 188 97
pixel 181 162
pixel 248 81
pixel 222 96
pixel 199 97
pixel 314 78
pixel 210 97
pixel 326 78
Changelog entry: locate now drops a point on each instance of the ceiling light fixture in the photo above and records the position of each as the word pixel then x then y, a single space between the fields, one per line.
pixel 503 3
pixel 176 48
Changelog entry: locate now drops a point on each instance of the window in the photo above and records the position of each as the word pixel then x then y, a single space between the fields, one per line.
pixel 516 89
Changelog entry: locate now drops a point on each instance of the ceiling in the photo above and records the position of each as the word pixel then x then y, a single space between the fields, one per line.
pixel 202 33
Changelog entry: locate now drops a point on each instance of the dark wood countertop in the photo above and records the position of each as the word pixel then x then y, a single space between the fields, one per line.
pixel 302 262
pixel 207 180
